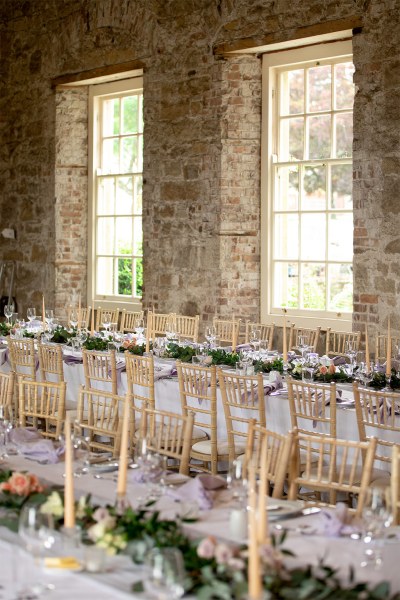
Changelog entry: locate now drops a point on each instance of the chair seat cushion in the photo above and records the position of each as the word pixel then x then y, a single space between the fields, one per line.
pixel 377 474
pixel 197 435
pixel 204 447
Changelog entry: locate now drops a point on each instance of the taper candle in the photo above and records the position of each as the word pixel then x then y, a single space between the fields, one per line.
pixel 43 314
pixel 92 320
pixel 367 358
pixel 148 330
pixel 254 573
pixel 79 313
pixel 69 501
pixel 284 344
pixel 389 351
pixel 263 533
pixel 123 455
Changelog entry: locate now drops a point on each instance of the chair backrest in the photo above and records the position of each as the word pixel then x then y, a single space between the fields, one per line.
pixel 128 320
pixel 311 337
pixel 336 341
pixel 169 434
pixel 22 357
pixel 377 416
pixel 85 316
pixel 312 405
pixel 381 346
pixel 395 484
pixel 227 331
pixel 266 332
pixel 99 415
pixel 7 384
pixel 51 364
pixel 140 382
pixel 42 404
pixel 158 323
pixel 100 312
pixel 271 453
pixel 243 401
pixel 100 370
pixel 188 327
pixel 331 465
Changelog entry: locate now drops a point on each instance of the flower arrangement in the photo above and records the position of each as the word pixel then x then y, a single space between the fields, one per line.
pixel 16 488
pixel 5 328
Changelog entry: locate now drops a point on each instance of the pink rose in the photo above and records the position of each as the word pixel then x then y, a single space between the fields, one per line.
pixel 223 554
pixel 206 547
pixel 323 370
pixel 19 484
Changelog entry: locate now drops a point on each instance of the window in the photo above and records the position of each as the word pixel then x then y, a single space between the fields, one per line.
pixel 116 116
pixel 309 250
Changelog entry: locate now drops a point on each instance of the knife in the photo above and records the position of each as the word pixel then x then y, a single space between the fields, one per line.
pixel 303 512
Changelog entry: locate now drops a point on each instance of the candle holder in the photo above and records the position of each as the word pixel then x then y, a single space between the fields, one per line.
pixel 387 387
pixel 71 537
pixel 121 503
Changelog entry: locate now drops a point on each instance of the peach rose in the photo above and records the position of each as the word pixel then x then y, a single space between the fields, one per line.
pixel 323 370
pixel 206 547
pixel 332 368
pixel 19 484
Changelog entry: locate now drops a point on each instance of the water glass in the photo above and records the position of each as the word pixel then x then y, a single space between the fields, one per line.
pixel 211 335
pixel 377 516
pixel 8 311
pixel 307 373
pixel 237 482
pixel 31 314
pixel 165 573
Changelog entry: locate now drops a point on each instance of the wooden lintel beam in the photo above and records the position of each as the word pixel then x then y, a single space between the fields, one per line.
pixel 71 78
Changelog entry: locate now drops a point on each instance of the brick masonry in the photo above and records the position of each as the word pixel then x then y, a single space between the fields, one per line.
pixel 202 146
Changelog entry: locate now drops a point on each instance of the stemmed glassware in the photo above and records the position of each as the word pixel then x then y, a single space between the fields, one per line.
pixel 165 574
pixel 255 340
pixel 31 314
pixel 49 316
pixel 73 318
pixel 211 335
pixel 303 343
pixel 8 311
pixel 139 327
pixel 106 321
pixel 170 330
pixel 377 516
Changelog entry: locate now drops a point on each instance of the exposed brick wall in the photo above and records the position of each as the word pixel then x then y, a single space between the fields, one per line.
pixel 202 146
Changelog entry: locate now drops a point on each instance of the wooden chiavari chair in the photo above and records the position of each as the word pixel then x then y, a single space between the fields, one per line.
pixel 22 358
pixel 100 369
pixel 128 320
pixel 336 342
pixel 312 405
pixel 42 405
pixel 381 346
pixel 311 337
pixel 266 332
pixel 227 331
pixel 188 327
pixel 51 366
pixel 100 312
pixel 85 316
pixel 7 387
pixel 395 484
pixel 140 382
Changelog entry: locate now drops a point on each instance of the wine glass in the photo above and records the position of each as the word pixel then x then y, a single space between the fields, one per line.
pixel 8 311
pixel 166 574
pixel 255 339
pixel 36 530
pixel 237 481
pixel 73 318
pixel 49 316
pixel 377 516
pixel 170 329
pixel 106 320
pixel 31 314
pixel 302 343
pixel 211 335
pixel 350 350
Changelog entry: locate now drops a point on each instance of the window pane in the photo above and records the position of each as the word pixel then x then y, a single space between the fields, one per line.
pixel 137 236
pixel 287 188
pixel 314 188
pixel 110 157
pixel 292 92
pixel 111 117
pixel 129 114
pixel 286 236
pixel 140 115
pixel 319 136
pixel 340 235
pixel 137 206
pixel 340 286
pixel 129 154
pixel 286 285
pixel 313 286
pixel 105 235
pixel 319 88
pixel 313 236
pixel 344 85
pixel 139 277
pixel 125 276
pixel 124 200
pixel 105 198
pixel 139 162
pixel 342 186
pixel 105 276
pixel 123 228
pixel 344 135
pixel 291 140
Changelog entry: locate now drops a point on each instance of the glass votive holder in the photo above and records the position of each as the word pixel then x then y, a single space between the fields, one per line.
pixel 238 523
pixel 70 537
pixel 240 368
pixel 307 374
pixel 94 558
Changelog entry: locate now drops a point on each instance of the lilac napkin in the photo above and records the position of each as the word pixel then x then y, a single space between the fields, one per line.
pixel 41 450
pixel 140 475
pixel 72 359
pixel 339 360
pixel 212 482
pixel 162 371
pixel 21 435
pixel 4 356
pixel 338 522
pixel 192 490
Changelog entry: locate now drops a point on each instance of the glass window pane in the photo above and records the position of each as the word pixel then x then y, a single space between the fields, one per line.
pixel 344 85
pixel 286 285
pixel 111 117
pixel 139 165
pixel 124 199
pixel 110 156
pixel 137 236
pixel 286 236
pixel 291 139
pixel 129 114
pixel 319 136
pixel 313 286
pixel 342 186
pixel 140 115
pixel 286 188
pixel 340 236
pixel 340 287
pixel 123 228
pixel 319 88
pixel 129 154
pixel 105 235
pixel 137 206
pixel 292 92
pixel 314 188
pixel 105 276
pixel 313 236
pixel 139 277
pixel 344 135
pixel 125 276
pixel 105 196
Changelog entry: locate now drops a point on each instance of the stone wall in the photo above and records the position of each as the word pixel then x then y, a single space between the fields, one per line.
pixel 202 145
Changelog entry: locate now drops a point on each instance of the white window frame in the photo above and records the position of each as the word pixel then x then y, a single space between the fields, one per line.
pixel 96 92
pixel 271 63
